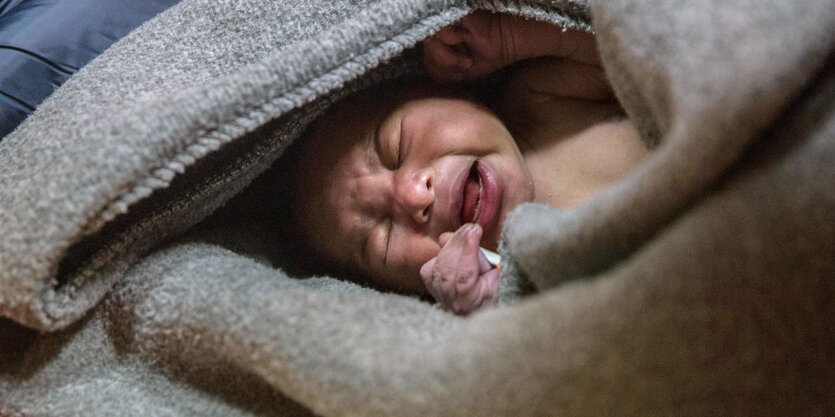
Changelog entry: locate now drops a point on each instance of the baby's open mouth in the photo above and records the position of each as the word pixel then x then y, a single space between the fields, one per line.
pixel 472 196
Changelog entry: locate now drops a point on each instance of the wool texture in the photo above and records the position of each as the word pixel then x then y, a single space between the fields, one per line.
pixel 701 284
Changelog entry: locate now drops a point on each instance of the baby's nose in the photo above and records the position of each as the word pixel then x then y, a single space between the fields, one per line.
pixel 417 194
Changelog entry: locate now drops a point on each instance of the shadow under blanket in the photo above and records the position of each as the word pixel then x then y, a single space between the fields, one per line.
pixel 702 284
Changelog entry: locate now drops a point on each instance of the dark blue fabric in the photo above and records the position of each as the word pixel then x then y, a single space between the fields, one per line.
pixel 44 42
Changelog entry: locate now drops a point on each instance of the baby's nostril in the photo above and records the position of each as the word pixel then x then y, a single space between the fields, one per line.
pixel 426 212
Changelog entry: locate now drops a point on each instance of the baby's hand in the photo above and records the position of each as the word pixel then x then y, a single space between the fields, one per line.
pixel 483 42
pixel 460 278
pixel 478 44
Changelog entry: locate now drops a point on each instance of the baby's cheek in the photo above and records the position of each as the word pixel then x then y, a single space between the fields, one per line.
pixel 417 252
pixel 409 255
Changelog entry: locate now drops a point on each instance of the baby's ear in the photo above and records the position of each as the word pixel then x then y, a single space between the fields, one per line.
pixel 454 35
pixel 444 59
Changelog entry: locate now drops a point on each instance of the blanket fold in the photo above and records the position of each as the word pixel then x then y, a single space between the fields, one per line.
pixel 705 115
pixel 68 172
pixel 699 285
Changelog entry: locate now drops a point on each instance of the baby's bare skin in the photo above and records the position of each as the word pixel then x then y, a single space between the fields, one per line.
pixel 566 80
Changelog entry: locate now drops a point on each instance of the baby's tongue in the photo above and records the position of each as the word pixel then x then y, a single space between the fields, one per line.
pixel 471 192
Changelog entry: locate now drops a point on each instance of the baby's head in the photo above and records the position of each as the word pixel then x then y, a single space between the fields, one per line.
pixel 385 172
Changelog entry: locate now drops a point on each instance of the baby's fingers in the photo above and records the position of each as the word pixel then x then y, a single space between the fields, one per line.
pixel 468 263
pixel 448 269
pixel 440 287
pixel 443 276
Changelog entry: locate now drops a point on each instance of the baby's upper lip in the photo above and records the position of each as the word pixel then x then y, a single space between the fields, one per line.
pixel 456 196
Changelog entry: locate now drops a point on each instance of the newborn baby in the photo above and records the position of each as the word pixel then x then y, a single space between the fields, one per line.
pixel 403 183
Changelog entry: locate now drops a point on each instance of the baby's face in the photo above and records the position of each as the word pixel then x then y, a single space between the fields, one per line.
pixel 387 174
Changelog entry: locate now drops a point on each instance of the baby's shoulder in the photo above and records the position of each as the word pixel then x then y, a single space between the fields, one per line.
pixel 527 81
pixel 518 99
pixel 539 80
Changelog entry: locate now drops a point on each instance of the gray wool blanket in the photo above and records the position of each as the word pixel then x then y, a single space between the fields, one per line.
pixel 702 284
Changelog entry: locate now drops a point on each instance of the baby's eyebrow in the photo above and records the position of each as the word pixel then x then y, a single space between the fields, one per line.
pixel 374 140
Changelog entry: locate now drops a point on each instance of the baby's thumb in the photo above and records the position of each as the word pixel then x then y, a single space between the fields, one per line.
pixel 444 238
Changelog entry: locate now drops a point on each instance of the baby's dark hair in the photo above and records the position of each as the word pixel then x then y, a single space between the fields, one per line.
pixel 281 183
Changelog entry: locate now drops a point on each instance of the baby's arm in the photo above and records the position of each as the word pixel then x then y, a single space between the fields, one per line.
pixel 460 278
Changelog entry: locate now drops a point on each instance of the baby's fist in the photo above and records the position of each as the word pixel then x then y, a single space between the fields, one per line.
pixel 460 278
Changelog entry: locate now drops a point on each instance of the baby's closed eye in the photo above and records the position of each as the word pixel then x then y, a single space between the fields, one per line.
pixel 377 242
pixel 388 138
pixel 389 224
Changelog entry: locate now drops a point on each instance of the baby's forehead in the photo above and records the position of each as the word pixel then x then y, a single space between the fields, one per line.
pixel 367 103
pixel 348 122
